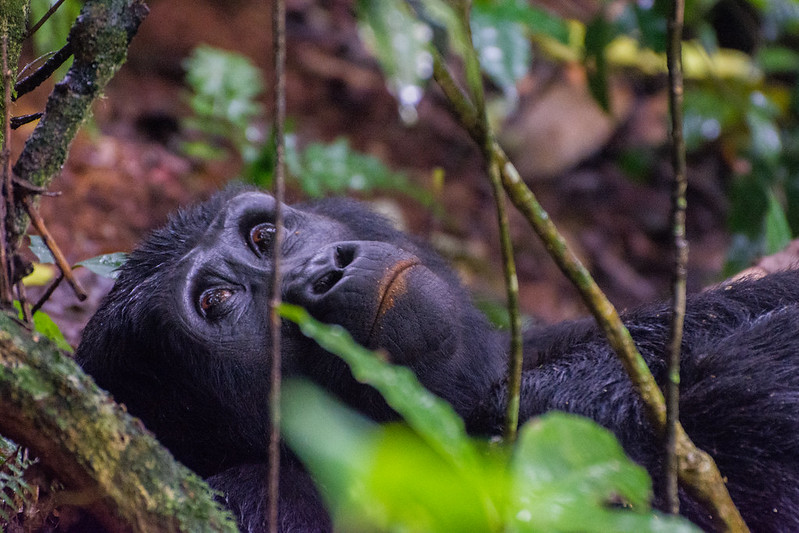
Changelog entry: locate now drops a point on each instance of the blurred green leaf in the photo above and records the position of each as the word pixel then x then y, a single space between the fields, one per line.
pixel 400 42
pixel 381 478
pixel 536 20
pixel 335 168
pixel 778 59
pixel 646 23
pixel 224 90
pixel 777 232
pixel 765 140
pixel 598 35
pixel 566 473
pixel 43 324
pixel 106 265
pixel 40 250
pixel 431 417
pixel 559 483
pixel 53 34
pixel 503 48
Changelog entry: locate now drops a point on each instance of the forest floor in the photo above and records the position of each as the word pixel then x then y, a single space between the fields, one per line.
pixel 126 172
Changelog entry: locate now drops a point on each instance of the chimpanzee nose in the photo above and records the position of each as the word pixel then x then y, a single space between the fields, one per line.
pixel 314 278
pixel 327 267
pixel 344 282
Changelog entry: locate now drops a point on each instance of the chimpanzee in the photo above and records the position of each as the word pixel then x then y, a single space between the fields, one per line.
pixel 182 339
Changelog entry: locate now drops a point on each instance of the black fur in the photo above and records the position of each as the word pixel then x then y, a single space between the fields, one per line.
pixel 198 377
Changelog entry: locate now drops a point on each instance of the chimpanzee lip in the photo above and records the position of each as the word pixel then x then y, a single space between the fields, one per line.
pixel 391 286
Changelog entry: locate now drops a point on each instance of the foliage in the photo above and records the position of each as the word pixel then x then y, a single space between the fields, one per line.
pixel 15 492
pixel 54 32
pixel 43 324
pixel 105 265
pixel 428 475
pixel 226 115
pixel 743 103
pixel 224 90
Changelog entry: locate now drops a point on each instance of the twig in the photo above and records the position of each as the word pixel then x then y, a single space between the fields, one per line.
pixel 698 471
pixel 279 48
pixel 44 18
pixel 8 198
pixel 49 292
pixel 29 83
pixel 21 120
pixel 24 306
pixel 680 243
pixel 515 357
pixel 41 229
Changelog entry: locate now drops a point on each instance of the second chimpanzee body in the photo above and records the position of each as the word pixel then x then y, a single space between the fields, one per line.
pixel 182 339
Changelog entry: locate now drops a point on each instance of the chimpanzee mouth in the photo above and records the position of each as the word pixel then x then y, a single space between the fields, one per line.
pixel 392 285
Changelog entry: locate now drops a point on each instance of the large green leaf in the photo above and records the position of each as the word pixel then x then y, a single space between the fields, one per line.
pixel 430 416
pixel 383 478
pixel 566 474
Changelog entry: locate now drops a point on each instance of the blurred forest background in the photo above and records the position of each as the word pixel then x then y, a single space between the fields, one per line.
pixel 578 94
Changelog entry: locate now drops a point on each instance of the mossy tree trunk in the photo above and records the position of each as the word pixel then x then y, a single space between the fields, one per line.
pixel 104 457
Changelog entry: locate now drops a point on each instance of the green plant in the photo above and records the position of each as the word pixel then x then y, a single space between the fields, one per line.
pixel 428 475
pixel 226 116
pixel 15 492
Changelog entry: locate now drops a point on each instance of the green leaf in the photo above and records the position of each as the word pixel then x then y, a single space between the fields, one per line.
pixel 503 48
pixel 538 22
pixel 401 44
pixel 43 324
pixel 778 60
pixel 567 471
pixel 40 250
pixel 382 478
pixel 335 168
pixel 761 117
pixel 598 35
pixel 430 416
pixel 224 99
pixel 777 230
pixel 105 265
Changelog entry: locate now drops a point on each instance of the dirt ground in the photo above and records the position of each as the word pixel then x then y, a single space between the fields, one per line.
pixel 125 172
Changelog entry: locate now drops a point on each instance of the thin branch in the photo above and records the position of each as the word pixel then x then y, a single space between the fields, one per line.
pixel 44 18
pixel 279 47
pixel 5 158
pixel 21 120
pixel 49 241
pixel 49 292
pixel 100 38
pixel 680 243
pixel 24 305
pixel 698 471
pixel 515 357
pixel 29 83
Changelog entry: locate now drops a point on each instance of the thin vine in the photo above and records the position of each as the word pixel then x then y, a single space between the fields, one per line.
pixel 680 247
pixel 279 48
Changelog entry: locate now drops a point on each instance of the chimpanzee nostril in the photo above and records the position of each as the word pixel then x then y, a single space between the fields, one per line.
pixel 326 282
pixel 344 255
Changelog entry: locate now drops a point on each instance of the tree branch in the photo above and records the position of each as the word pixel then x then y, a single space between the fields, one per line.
pixel 99 41
pixel 697 470
pixel 102 455
pixel 680 250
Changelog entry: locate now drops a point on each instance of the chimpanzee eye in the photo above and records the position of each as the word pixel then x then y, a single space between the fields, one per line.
pixel 211 300
pixel 262 236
